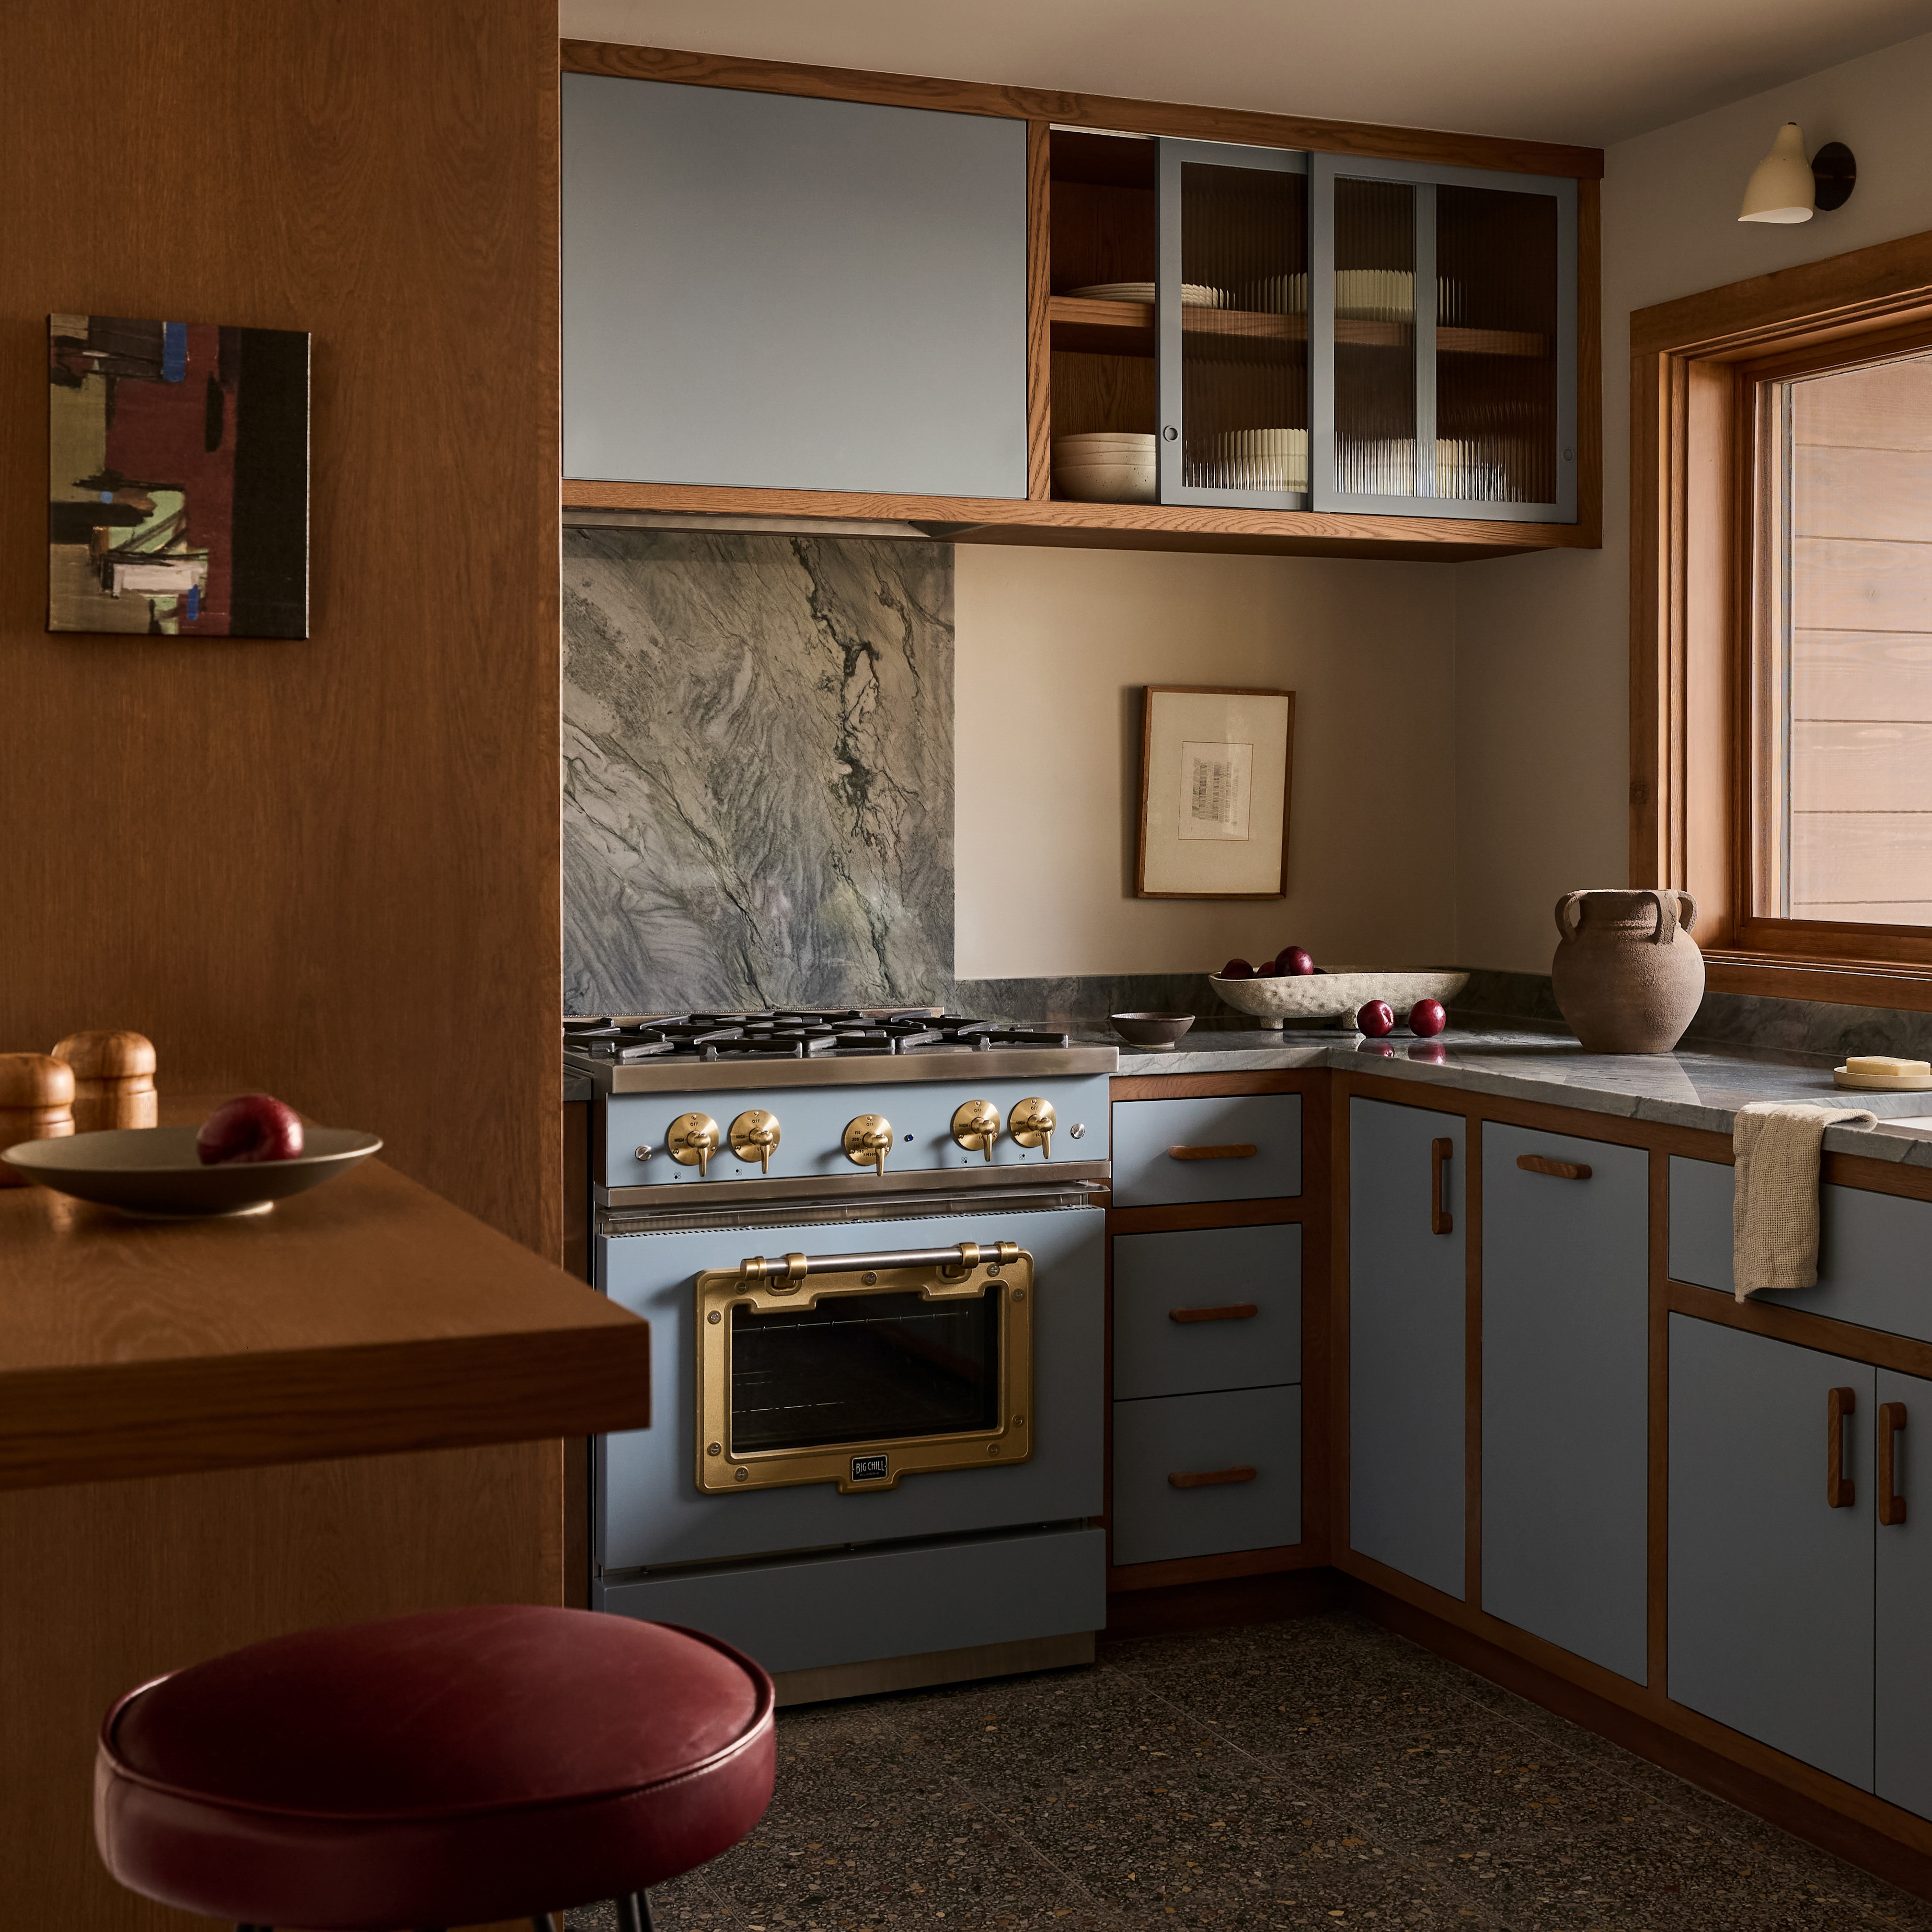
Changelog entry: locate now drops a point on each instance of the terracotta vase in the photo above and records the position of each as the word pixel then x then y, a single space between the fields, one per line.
pixel 1627 975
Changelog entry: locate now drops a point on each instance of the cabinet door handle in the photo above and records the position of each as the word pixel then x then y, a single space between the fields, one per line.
pixel 1237 1311
pixel 1203 1479
pixel 1440 1152
pixel 1557 1170
pixel 1237 1150
pixel 1890 1504
pixel 1839 1491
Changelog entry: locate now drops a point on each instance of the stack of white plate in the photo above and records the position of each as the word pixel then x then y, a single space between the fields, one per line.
pixel 1280 294
pixel 1386 467
pixel 1193 294
pixel 1388 295
pixel 1101 466
pixel 1263 459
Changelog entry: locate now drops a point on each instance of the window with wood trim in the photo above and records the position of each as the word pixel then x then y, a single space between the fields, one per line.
pixel 1782 623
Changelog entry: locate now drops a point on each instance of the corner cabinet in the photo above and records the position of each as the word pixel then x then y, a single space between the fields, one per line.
pixel 797 293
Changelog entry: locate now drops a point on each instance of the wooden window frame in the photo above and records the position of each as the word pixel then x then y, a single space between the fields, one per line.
pixel 1695 364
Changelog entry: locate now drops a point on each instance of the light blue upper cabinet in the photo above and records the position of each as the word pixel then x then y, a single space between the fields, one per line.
pixel 769 292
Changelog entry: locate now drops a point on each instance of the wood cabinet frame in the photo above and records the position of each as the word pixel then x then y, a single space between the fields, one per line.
pixel 1694 363
pixel 1038 519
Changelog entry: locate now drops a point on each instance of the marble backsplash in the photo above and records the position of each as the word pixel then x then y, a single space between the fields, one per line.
pixel 758 771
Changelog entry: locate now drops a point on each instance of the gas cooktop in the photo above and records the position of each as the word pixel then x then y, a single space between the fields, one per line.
pixel 844 1047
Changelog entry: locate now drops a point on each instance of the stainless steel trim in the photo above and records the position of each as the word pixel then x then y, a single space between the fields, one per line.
pixel 673 1075
pixel 937 1182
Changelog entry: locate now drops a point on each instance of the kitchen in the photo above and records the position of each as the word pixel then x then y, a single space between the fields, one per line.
pixel 332 870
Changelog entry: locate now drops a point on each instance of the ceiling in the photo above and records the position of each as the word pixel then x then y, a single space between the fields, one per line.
pixel 1592 71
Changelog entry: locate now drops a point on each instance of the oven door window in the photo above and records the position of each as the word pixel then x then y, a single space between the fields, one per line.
pixel 863 1368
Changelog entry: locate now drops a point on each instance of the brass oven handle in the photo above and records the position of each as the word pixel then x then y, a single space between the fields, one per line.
pixel 1839 1492
pixel 1238 1151
pixel 1239 1311
pixel 1441 1221
pixel 1890 1504
pixel 1558 1170
pixel 1203 1479
pixel 966 1255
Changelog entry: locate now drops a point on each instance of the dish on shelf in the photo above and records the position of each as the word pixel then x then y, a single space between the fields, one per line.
pixel 1466 470
pixel 155 1174
pixel 1193 294
pixel 1105 466
pixel 1263 459
pixel 1342 991
pixel 1388 295
pixel 1279 294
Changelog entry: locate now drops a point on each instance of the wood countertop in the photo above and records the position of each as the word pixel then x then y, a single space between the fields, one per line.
pixel 367 1316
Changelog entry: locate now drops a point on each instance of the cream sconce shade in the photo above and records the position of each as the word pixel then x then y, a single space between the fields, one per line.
pixel 1785 187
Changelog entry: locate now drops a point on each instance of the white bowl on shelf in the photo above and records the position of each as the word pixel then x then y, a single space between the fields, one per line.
pixel 1263 459
pixel 1313 998
pixel 1193 294
pixel 1105 467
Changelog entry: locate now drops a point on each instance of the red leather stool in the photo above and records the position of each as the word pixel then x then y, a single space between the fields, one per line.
pixel 444 1769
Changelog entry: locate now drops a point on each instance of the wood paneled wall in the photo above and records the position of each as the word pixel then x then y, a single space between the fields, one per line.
pixel 329 869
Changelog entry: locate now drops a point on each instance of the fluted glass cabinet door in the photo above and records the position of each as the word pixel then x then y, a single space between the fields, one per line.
pixel 1443 341
pixel 1232 305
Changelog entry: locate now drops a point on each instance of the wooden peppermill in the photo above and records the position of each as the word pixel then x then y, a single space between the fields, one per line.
pixel 36 1104
pixel 113 1080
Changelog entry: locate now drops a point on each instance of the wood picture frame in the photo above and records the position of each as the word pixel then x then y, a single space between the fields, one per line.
pixel 1217 766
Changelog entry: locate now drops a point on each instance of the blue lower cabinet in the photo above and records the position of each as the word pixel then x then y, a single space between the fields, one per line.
pixel 1200 1308
pixel 1566 1392
pixel 1902 1750
pixel 1408 1319
pixel 1198 1475
pixel 1772 1591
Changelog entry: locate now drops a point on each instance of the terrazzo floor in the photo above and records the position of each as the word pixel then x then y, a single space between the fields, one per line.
pixel 1318 1772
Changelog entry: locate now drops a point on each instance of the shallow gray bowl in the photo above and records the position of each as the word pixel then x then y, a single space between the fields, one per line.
pixel 1150 1030
pixel 155 1173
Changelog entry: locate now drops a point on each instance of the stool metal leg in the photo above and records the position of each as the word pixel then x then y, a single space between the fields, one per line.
pixel 633 1914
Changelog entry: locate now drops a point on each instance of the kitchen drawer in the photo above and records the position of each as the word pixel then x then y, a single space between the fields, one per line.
pixel 1200 1269
pixel 1147 1174
pixel 1874 1250
pixel 1195 1434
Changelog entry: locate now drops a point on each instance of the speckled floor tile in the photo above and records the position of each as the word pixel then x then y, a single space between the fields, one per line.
pixel 1316 1773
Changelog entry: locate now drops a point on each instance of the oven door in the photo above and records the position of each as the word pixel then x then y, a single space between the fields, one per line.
pixel 978 1379
pixel 859 1369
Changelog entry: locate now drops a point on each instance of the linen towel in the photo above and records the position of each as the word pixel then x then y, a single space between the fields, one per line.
pixel 1775 1209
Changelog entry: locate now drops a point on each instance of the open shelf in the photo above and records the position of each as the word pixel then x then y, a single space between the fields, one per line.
pixel 1086 326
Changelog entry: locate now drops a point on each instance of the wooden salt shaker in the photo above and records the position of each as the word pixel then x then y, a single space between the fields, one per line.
pixel 36 1104
pixel 113 1080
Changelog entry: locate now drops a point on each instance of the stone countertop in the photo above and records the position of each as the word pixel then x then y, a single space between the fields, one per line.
pixel 1700 1087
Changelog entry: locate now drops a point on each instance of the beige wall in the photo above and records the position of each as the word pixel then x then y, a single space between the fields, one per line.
pixel 1542 758
pixel 1054 646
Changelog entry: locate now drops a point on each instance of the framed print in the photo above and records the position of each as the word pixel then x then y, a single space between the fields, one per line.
pixel 1215 769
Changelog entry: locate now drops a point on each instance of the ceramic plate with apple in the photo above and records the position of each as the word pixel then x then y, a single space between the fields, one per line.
pixel 251 1152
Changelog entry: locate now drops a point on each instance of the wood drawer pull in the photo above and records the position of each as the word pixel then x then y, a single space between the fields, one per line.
pixel 1890 1504
pixel 1202 1479
pixel 1239 1151
pixel 1238 1311
pixel 1441 1221
pixel 1557 1170
pixel 1839 1491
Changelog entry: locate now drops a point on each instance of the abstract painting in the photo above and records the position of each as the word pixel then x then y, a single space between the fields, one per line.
pixel 178 479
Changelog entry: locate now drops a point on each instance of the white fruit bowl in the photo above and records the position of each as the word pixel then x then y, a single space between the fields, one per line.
pixel 1312 998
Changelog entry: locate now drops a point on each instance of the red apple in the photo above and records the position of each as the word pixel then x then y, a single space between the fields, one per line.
pixel 1426 1016
pixel 1269 969
pixel 251 1126
pixel 1375 1019
pixel 1236 969
pixel 1293 960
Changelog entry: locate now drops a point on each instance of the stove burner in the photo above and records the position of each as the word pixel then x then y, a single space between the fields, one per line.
pixel 794 1034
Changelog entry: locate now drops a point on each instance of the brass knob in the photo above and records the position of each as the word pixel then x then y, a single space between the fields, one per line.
pixel 867 1141
pixel 976 1126
pixel 1031 1123
pixel 690 1140
pixel 754 1134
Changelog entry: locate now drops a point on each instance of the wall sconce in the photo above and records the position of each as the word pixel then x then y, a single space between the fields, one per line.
pixel 1785 187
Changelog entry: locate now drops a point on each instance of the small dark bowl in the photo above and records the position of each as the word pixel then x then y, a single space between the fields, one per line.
pixel 1150 1030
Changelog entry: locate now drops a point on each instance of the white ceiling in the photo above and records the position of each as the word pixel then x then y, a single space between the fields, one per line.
pixel 1594 71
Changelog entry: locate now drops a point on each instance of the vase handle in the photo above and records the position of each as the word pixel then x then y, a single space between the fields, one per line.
pixel 1687 911
pixel 1564 930
pixel 1665 931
